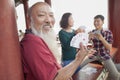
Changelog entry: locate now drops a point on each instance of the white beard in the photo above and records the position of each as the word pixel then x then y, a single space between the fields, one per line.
pixel 50 40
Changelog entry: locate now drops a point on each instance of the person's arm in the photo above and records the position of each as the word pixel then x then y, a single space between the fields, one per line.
pixel 108 42
pixel 91 35
pixel 66 72
pixel 78 31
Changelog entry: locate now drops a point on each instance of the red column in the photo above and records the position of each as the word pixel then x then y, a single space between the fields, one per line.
pixel 114 25
pixel 48 1
pixel 25 3
pixel 10 60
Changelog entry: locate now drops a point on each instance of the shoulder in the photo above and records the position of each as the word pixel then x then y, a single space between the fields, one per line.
pixel 107 31
pixel 33 46
pixel 30 40
pixel 61 32
pixel 30 37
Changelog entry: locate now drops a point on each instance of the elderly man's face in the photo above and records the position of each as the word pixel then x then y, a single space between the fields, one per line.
pixel 42 17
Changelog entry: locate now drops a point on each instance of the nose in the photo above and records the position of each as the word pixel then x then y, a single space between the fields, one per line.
pixel 48 19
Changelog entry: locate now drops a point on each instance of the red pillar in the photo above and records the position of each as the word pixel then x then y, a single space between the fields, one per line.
pixel 25 3
pixel 48 1
pixel 10 60
pixel 114 25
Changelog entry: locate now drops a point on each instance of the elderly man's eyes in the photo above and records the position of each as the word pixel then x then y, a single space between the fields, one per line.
pixel 51 15
pixel 40 15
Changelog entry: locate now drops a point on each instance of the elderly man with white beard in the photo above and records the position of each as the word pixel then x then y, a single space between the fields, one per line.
pixel 38 50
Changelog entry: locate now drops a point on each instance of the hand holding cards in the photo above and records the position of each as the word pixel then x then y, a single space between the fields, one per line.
pixel 79 38
pixel 94 34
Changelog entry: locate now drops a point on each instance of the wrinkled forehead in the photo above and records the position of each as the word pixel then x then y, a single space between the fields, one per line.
pixel 41 8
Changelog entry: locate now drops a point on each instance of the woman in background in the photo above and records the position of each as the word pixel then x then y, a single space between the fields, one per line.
pixel 65 36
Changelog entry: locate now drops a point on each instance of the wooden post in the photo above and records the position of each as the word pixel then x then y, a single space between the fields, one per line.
pixel 10 59
pixel 25 3
pixel 114 25
pixel 48 1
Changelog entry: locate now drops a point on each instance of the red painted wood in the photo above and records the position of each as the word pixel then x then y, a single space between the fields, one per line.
pixel 114 25
pixel 10 61
pixel 48 1
pixel 25 3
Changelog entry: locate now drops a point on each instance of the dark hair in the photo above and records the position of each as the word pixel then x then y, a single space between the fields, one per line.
pixel 99 16
pixel 64 20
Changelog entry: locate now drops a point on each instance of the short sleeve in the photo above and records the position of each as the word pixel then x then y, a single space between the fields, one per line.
pixel 109 37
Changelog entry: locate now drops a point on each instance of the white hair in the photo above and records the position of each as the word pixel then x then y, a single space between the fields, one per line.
pixel 50 40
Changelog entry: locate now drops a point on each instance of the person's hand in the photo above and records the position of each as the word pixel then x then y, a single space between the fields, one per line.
pixel 70 78
pixel 83 52
pixel 98 36
pixel 91 35
pixel 79 31
pixel 91 52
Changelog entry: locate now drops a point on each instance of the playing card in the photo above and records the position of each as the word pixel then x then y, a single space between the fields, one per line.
pixel 96 32
pixel 79 38
pixel 82 27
